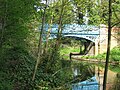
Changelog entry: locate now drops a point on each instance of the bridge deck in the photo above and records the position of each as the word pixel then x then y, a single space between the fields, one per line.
pixel 88 32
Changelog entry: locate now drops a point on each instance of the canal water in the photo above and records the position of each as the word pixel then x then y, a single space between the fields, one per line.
pixel 90 77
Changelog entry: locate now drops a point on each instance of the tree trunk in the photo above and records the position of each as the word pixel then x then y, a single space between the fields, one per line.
pixel 108 47
pixel 60 26
pixel 48 35
pixel 39 45
pixel 3 23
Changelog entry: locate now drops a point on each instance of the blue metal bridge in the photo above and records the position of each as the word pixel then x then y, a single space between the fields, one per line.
pixel 88 32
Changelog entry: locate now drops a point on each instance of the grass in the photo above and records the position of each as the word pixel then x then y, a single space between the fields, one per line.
pixel 66 49
pixel 114 55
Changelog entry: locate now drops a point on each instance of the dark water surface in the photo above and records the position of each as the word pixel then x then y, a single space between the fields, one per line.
pixel 90 77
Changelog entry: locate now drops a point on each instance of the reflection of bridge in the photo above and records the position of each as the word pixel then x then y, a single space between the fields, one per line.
pixel 96 37
pixel 90 84
pixel 96 82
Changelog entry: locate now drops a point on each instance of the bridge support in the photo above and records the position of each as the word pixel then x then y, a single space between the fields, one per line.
pixel 103 40
pixel 96 48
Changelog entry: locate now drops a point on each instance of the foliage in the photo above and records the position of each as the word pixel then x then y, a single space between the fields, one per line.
pixel 50 61
pixel 52 73
pixel 114 55
pixel 116 13
pixel 67 15
pixel 95 11
pixel 114 68
pixel 19 20
pixel 5 83
pixel 17 68
pixel 16 64
pixel 69 45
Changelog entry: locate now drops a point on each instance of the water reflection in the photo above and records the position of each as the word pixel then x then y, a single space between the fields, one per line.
pixel 116 83
pixel 90 77
pixel 84 77
pixel 82 71
pixel 90 84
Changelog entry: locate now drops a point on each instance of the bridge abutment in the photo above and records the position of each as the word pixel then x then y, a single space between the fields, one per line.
pixel 100 45
pixel 103 39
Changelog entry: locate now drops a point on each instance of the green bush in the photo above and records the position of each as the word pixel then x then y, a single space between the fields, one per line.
pixel 5 83
pixel 115 54
pixel 17 66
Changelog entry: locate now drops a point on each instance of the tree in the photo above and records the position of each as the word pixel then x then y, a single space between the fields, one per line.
pixel 116 13
pixel 108 46
pixel 39 53
pixel 16 17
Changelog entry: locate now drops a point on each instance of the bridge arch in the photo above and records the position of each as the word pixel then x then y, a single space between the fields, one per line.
pixel 79 37
pixel 89 45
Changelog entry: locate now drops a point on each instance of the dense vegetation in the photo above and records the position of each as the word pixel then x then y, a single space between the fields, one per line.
pixel 16 63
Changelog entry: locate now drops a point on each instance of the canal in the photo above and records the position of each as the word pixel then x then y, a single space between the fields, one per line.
pixel 90 76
